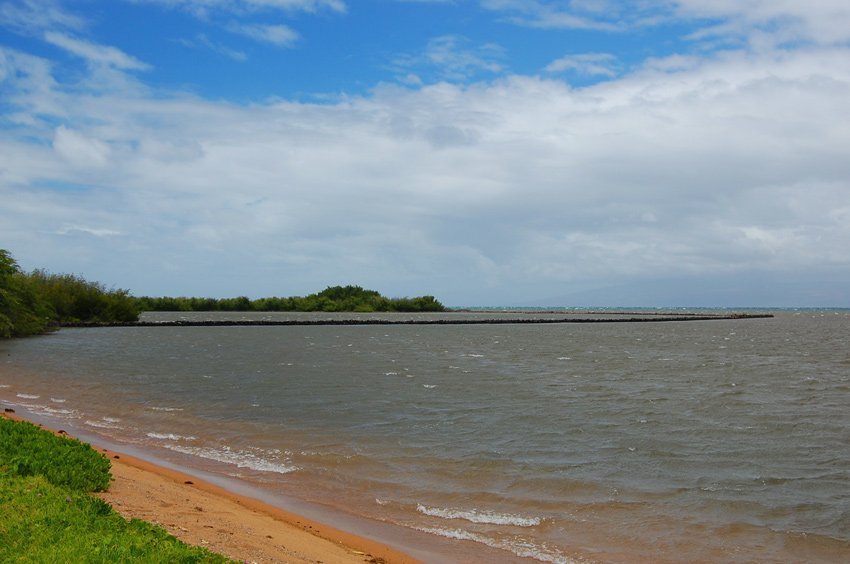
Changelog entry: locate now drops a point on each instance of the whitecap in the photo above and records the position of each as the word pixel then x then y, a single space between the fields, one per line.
pixel 54 411
pixel 28 396
pixel 159 408
pixel 520 547
pixel 101 424
pixel 57 400
pixel 240 459
pixel 429 386
pixel 171 437
pixel 5 386
pixel 476 516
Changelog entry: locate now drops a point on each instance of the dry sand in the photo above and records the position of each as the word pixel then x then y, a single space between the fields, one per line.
pixel 243 528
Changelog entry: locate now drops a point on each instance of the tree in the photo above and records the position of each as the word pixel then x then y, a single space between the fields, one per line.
pixel 22 310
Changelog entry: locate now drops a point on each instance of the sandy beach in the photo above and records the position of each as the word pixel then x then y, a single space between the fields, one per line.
pixel 246 529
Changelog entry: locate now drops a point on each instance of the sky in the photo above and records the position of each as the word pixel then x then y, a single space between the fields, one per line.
pixel 666 153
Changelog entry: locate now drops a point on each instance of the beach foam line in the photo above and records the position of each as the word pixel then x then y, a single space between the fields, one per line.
pixel 51 411
pixel 102 424
pixel 481 517
pixel 240 459
pixel 171 437
pixel 517 546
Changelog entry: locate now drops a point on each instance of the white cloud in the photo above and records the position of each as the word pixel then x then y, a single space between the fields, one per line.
pixel 32 17
pixel 95 54
pixel 95 231
pixel 202 41
pixel 688 167
pixel 591 64
pixel 452 57
pixel 80 150
pixel 759 23
pixel 815 21
pixel 600 16
pixel 279 35
pixel 204 7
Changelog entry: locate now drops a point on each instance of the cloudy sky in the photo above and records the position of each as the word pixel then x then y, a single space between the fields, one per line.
pixel 488 152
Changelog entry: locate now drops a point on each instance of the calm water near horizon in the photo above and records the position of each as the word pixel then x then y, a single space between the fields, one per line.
pixel 711 441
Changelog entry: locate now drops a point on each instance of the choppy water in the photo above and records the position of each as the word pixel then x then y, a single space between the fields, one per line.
pixel 694 441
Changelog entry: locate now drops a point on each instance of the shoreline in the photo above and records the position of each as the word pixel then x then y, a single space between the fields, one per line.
pixel 241 527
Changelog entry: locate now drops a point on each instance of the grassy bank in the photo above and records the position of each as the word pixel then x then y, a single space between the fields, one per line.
pixel 49 514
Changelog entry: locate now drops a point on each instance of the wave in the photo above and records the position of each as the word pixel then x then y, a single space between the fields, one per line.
pixel 54 411
pixel 28 396
pixel 51 411
pixel 171 437
pixel 240 459
pixel 483 517
pixel 520 547
pixel 103 424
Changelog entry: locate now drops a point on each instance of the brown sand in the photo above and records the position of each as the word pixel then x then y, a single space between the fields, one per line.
pixel 243 528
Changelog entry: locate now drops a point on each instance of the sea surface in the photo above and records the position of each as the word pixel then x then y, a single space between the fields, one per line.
pixel 694 441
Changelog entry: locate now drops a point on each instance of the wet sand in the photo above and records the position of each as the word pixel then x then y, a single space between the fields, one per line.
pixel 246 529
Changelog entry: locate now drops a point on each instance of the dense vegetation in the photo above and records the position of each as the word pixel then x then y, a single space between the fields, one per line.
pixel 335 298
pixel 35 302
pixel 49 515
pixel 38 301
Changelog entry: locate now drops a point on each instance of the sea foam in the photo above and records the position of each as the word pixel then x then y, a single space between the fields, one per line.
pixel 240 459
pixel 476 516
pixel 171 437
pixel 105 423
pixel 518 546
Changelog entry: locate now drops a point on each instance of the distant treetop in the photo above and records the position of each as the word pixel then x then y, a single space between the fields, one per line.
pixel 334 298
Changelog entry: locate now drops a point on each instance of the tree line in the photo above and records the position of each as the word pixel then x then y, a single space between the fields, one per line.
pixel 37 302
pixel 334 298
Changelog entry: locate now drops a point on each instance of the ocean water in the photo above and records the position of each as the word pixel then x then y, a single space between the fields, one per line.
pixel 708 441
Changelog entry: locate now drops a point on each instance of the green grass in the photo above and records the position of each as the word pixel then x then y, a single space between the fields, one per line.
pixel 49 515
pixel 26 450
